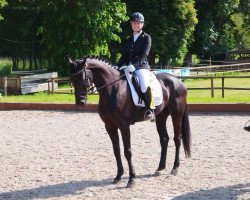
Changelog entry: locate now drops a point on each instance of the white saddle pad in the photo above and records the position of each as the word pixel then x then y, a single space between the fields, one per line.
pixel 154 85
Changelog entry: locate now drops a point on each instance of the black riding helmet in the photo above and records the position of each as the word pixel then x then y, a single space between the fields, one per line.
pixel 137 17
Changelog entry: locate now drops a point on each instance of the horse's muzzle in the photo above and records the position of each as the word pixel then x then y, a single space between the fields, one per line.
pixel 80 101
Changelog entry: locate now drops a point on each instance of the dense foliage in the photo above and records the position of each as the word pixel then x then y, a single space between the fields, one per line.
pixel 221 27
pixel 18 33
pixel 82 27
pixel 2 4
pixel 37 31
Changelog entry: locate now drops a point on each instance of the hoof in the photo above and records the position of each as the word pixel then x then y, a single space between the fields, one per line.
pixel 158 173
pixel 247 126
pixel 174 172
pixel 115 181
pixel 131 184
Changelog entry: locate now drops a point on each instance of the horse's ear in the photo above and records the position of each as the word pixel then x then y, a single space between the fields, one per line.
pixel 70 61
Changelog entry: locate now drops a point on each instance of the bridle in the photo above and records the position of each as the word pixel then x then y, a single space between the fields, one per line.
pixel 88 78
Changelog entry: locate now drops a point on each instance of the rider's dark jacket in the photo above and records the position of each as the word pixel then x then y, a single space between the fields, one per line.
pixel 136 52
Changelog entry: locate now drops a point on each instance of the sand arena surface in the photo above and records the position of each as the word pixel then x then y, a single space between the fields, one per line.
pixel 68 155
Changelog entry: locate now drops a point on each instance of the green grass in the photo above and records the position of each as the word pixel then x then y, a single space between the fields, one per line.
pixel 230 96
pixel 42 97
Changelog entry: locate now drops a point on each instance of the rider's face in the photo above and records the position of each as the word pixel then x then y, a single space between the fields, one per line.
pixel 136 26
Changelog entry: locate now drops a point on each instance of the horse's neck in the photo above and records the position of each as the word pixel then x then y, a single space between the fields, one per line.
pixel 104 79
pixel 103 75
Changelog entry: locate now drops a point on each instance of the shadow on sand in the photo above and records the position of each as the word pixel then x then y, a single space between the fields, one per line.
pixel 58 190
pixel 62 189
pixel 76 188
pixel 220 193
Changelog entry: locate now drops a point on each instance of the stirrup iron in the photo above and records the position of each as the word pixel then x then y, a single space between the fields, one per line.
pixel 149 115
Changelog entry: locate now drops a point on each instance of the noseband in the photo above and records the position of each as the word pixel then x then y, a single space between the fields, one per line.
pixel 88 79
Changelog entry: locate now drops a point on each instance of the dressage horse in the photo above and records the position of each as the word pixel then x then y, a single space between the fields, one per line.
pixel 117 110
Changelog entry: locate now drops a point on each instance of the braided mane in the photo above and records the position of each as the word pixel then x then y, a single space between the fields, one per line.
pixel 99 58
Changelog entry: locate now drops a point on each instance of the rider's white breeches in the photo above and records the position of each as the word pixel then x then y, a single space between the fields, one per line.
pixel 144 76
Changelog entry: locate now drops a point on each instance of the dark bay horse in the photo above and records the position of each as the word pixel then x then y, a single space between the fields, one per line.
pixel 117 110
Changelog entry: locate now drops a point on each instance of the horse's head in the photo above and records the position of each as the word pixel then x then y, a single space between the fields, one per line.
pixel 81 79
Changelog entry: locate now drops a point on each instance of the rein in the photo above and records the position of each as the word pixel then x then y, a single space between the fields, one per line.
pixel 91 88
pixel 97 89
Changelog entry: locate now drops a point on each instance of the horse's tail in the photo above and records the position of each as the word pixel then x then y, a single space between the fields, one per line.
pixel 186 133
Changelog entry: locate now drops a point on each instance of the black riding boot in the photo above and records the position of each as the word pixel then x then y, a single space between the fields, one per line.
pixel 149 114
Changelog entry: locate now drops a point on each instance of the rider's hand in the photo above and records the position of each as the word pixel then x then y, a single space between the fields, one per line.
pixel 130 68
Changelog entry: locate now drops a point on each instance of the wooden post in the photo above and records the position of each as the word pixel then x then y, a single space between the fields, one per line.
pixel 212 87
pixel 53 87
pixel 223 90
pixel 210 61
pixel 49 86
pixel 71 88
pixel 5 86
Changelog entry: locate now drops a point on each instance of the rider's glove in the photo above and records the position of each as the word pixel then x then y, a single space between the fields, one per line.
pixel 130 68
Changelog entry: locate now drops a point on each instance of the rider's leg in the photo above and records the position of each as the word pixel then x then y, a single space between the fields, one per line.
pixel 144 75
pixel 149 114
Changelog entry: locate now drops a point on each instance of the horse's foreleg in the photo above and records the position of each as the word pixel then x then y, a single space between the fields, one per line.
pixel 114 136
pixel 161 119
pixel 177 140
pixel 128 154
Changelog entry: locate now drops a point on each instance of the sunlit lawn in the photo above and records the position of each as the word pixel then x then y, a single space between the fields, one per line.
pixel 234 96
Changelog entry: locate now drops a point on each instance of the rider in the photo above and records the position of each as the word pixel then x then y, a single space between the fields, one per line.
pixel 137 48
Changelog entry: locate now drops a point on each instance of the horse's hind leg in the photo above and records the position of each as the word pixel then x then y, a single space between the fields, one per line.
pixel 177 123
pixel 161 119
pixel 114 136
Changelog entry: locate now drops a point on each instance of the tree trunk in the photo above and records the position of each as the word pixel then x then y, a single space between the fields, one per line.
pixel 164 61
pixel 187 62
pixel 31 63
pixel 14 66
pixel 35 62
pixel 40 63
pixel 24 63
pixel 151 59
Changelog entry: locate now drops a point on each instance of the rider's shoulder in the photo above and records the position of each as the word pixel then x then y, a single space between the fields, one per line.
pixel 130 37
pixel 144 34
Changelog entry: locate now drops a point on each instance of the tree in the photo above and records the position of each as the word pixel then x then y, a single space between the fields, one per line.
pixel 18 32
pixel 2 4
pixel 244 27
pixel 80 27
pixel 217 30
